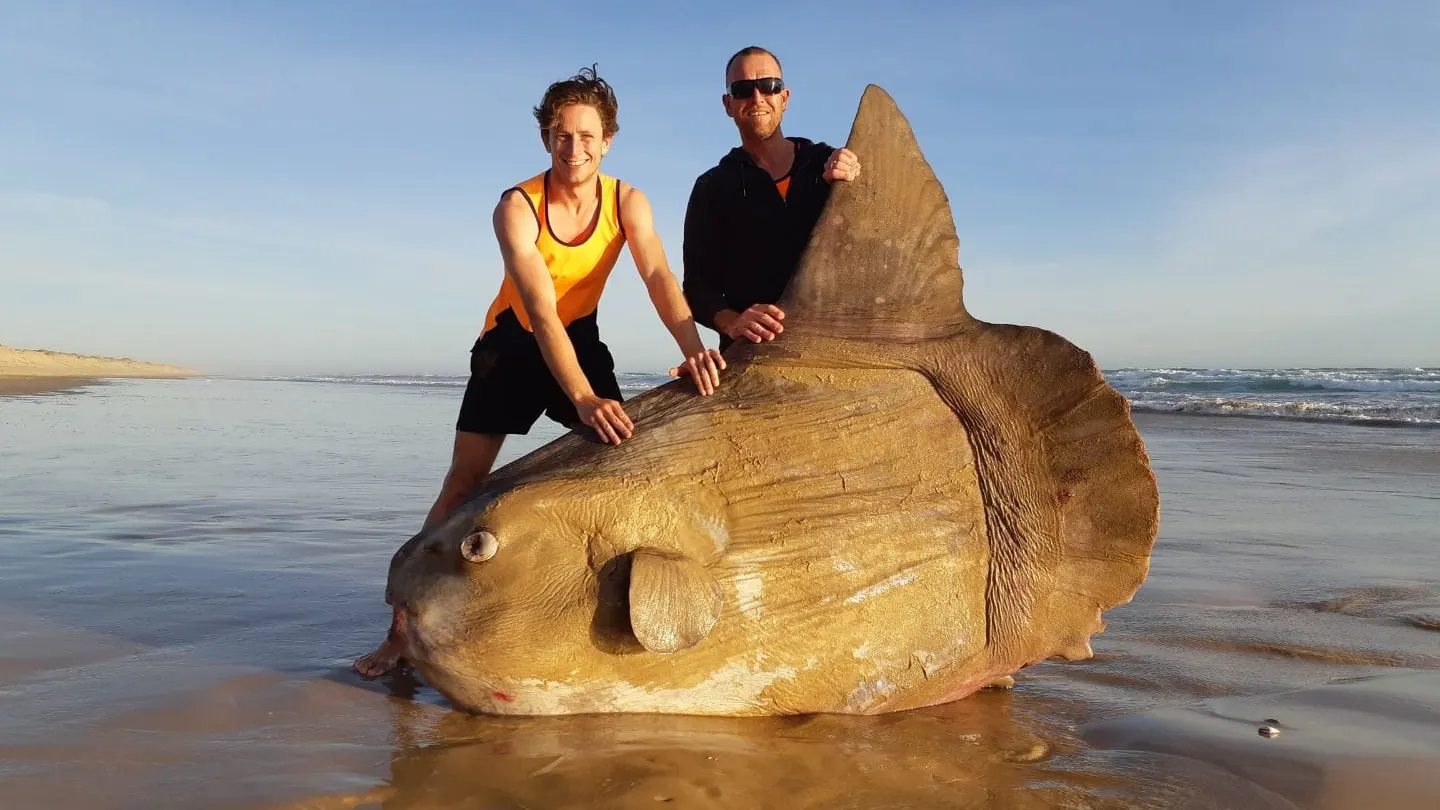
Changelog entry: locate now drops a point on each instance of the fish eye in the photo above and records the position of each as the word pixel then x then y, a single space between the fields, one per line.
pixel 479 546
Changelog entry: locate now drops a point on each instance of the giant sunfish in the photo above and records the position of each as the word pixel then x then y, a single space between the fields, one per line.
pixel 892 505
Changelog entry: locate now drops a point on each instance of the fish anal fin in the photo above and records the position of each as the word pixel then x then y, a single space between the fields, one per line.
pixel 882 262
pixel 674 601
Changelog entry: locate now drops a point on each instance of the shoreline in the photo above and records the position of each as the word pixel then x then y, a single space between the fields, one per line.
pixel 15 385
pixel 18 382
pixel 42 371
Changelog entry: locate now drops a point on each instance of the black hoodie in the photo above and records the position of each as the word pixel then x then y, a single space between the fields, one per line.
pixel 743 241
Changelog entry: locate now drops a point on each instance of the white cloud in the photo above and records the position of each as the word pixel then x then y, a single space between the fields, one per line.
pixel 1321 253
pixel 1289 202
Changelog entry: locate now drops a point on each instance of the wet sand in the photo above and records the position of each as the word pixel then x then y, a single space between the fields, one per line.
pixel 187 572
pixel 18 386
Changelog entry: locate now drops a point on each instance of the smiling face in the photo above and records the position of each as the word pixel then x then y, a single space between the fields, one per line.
pixel 759 115
pixel 576 143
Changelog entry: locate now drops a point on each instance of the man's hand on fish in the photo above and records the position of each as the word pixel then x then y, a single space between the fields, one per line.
pixel 842 165
pixel 704 368
pixel 606 416
pixel 759 322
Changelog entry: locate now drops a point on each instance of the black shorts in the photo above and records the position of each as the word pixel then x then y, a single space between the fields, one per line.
pixel 511 386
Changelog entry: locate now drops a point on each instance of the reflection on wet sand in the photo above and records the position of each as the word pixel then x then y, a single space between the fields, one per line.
pixel 171 729
pixel 980 753
pixel 964 753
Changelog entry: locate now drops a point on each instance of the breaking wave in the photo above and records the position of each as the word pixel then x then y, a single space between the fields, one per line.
pixel 1359 380
pixel 1370 396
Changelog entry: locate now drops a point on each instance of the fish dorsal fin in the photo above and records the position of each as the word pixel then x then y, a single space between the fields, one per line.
pixel 883 260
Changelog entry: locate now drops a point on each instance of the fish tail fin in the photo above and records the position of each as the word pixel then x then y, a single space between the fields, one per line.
pixel 1071 503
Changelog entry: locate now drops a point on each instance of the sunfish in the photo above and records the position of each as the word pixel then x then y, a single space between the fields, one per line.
pixel 892 505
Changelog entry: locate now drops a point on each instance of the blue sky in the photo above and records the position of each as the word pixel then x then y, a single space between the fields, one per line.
pixel 279 187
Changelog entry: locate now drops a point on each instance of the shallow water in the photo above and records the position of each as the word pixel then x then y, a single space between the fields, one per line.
pixel 188 567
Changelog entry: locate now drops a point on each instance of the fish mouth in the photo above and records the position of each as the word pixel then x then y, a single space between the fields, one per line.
pixel 403 633
pixel 429 625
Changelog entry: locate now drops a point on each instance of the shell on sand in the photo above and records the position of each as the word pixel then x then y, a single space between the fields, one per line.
pixel 892 505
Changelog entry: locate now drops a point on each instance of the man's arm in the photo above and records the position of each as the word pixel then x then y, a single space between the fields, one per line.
pixel 699 252
pixel 665 292
pixel 516 230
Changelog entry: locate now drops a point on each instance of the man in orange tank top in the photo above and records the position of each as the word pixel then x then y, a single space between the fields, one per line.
pixel 539 352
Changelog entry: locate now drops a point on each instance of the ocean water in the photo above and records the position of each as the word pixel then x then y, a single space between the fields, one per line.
pixel 188 567
pixel 1372 396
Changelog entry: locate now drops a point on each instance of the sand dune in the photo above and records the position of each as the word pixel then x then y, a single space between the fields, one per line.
pixel 44 363
pixel 25 371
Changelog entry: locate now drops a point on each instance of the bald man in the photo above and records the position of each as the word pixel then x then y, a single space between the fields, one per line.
pixel 750 217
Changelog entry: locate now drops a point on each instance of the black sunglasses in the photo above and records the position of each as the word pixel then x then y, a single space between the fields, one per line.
pixel 745 88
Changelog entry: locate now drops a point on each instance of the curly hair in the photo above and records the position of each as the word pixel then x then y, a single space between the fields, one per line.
pixel 585 87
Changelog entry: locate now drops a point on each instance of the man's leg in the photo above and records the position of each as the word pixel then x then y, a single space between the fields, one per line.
pixel 470 462
pixel 501 398
pixel 473 456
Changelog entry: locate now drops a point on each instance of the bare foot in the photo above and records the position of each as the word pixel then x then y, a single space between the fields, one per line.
pixel 383 659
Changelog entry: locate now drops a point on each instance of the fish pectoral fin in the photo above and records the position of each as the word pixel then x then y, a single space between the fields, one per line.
pixel 674 601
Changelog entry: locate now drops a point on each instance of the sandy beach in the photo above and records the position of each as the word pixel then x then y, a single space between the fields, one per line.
pixel 38 371
pixel 180 633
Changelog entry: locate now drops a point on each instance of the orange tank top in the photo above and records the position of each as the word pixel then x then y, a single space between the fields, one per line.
pixel 578 269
